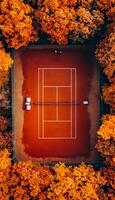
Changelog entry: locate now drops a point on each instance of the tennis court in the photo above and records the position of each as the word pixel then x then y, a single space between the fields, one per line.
pixel 61 116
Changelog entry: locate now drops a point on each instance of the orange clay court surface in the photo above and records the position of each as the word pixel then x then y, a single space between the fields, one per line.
pixel 58 123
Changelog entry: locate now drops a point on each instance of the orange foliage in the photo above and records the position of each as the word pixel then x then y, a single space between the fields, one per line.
pixel 25 180
pixel 5 94
pixel 111 14
pixel 109 95
pixel 61 20
pixel 56 21
pixel 3 123
pixel 86 3
pixel 6 138
pixel 6 141
pixel 107 129
pixel 5 63
pixel 105 5
pixel 106 148
pixel 106 142
pixel 5 59
pixel 87 23
pixel 57 3
pixel 109 175
pixel 80 182
pixel 4 77
pixel 105 54
pixel 5 163
pixel 110 160
pixel 16 23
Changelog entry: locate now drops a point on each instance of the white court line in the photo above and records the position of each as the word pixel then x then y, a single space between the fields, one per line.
pixel 42 101
pixel 57 103
pixel 70 69
pixel 75 101
pixel 71 100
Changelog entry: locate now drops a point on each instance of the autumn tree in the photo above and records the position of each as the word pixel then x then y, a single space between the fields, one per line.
pixel 16 23
pixel 105 54
pixel 107 129
pixel 5 63
pixel 105 5
pixel 88 22
pixel 5 164
pixel 86 3
pixel 6 141
pixel 80 182
pixel 108 174
pixel 56 19
pixel 109 96
pixel 63 20
pixel 106 139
